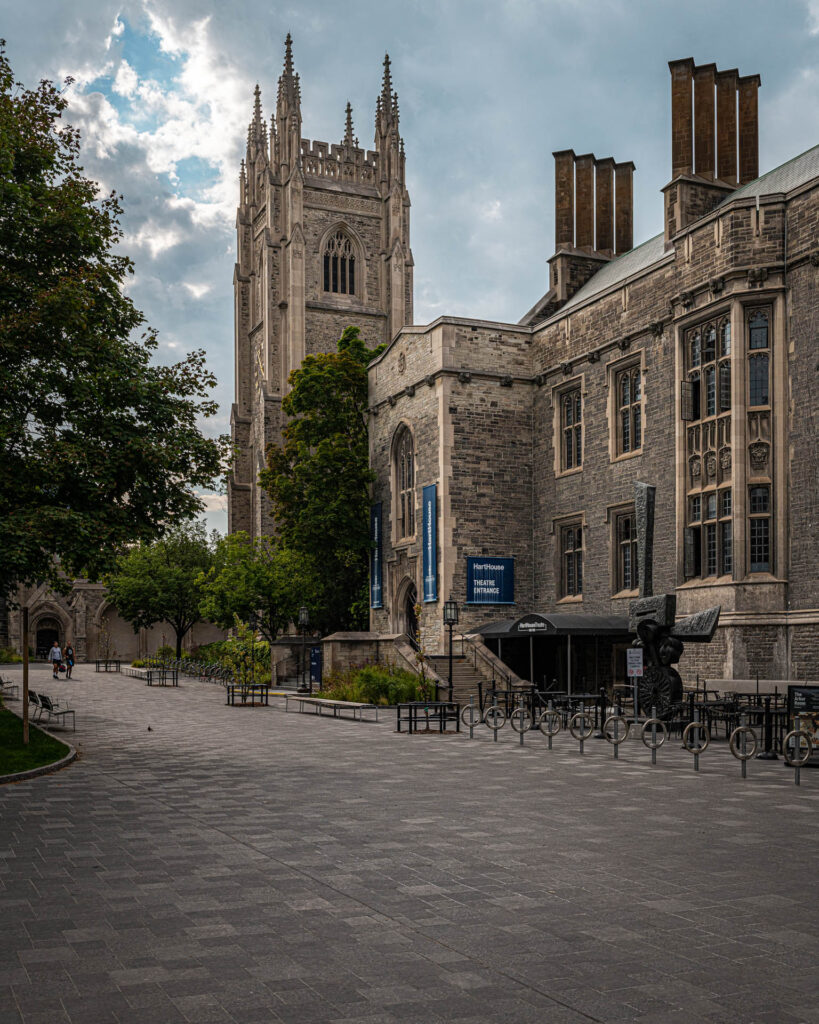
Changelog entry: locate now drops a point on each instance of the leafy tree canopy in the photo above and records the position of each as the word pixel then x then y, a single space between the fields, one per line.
pixel 318 479
pixel 99 447
pixel 256 578
pixel 161 581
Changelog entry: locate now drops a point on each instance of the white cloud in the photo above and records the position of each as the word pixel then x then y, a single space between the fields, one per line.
pixel 155 238
pixel 126 80
pixel 197 290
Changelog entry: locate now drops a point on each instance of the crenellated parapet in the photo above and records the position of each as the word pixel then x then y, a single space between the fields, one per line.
pixel 339 162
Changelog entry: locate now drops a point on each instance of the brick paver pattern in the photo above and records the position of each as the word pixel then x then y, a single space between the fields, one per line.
pixel 205 863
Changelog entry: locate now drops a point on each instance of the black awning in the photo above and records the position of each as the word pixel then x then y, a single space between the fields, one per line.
pixel 556 624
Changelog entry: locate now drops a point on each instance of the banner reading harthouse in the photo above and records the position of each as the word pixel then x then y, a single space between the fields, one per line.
pixel 429 520
pixel 375 557
pixel 490 580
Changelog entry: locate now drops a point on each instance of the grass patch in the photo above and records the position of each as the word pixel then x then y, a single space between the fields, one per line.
pixel 14 757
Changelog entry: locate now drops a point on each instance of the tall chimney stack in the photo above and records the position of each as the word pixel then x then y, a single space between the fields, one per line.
pixel 748 128
pixel 727 125
pixel 682 133
pixel 564 199
pixel 584 215
pixel 624 207
pixel 704 120
pixel 604 205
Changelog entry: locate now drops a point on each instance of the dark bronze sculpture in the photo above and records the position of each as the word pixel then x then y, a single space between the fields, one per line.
pixel 654 620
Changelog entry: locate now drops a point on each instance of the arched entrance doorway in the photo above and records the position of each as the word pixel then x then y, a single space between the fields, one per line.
pixel 406 621
pixel 47 631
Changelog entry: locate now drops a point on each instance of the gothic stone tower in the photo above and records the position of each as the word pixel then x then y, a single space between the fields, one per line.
pixel 323 242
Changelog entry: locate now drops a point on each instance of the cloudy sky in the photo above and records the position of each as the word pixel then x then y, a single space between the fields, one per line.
pixel 487 89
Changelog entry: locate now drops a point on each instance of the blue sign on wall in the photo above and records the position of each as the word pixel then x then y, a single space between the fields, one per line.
pixel 315 665
pixel 490 580
pixel 375 557
pixel 429 520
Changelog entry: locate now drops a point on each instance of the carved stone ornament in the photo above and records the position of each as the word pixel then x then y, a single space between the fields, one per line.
pixel 725 459
pixel 506 382
pixel 717 285
pixel 593 356
pixel 687 299
pixel 402 363
pixel 757 276
pixel 566 368
pixel 429 380
pixel 409 390
pixel 540 379
pixel 814 258
pixel 711 464
pixel 624 343
pixel 657 327
pixel 694 467
pixel 758 454
pixel 464 376
pixel 392 400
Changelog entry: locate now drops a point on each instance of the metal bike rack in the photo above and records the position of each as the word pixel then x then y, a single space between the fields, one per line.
pixel 738 743
pixel 696 727
pixel 494 717
pixel 577 727
pixel 521 721
pixel 549 723
pixel 803 749
pixel 611 730
pixel 650 726
pixel 470 715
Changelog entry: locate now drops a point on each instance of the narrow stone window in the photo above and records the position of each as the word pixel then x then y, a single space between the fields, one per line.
pixel 339 265
pixel 759 534
pixel 571 549
pixel 629 410
pixel 626 535
pixel 571 419
pixel 405 484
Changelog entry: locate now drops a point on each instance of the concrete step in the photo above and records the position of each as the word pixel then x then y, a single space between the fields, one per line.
pixel 464 677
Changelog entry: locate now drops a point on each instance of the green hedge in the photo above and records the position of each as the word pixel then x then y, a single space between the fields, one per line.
pixel 9 657
pixel 374 684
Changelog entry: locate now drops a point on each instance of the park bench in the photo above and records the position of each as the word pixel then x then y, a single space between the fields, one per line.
pixel 45 706
pixel 318 705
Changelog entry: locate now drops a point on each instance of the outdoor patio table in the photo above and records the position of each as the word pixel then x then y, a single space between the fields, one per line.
pixel 245 690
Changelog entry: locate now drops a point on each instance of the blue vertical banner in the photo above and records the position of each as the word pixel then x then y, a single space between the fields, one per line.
pixel 375 557
pixel 430 524
pixel 316 661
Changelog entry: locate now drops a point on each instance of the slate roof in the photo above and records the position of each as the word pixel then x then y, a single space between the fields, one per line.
pixel 784 178
pixel 631 262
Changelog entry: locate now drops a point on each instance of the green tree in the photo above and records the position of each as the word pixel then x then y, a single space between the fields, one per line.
pixel 256 578
pixel 318 479
pixel 160 581
pixel 99 447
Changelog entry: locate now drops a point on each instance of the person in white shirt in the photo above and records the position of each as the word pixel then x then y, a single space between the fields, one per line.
pixel 55 656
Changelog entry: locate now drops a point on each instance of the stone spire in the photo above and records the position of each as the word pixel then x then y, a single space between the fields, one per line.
pixel 287 142
pixel 348 126
pixel 387 137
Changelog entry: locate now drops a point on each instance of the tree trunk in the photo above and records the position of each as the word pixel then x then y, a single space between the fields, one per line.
pixel 179 636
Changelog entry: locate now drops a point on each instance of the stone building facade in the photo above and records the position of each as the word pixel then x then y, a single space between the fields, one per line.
pixel 688 362
pixel 88 620
pixel 322 243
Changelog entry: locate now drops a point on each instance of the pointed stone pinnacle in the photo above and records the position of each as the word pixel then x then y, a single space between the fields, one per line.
pixel 386 85
pixel 288 55
pixel 348 125
pixel 257 105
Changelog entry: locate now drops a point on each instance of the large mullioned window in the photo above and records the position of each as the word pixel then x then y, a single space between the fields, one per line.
pixel 629 410
pixel 571 560
pixel 571 427
pixel 405 484
pixel 339 265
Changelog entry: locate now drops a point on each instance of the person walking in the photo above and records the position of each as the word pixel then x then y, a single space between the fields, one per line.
pixel 55 656
pixel 69 660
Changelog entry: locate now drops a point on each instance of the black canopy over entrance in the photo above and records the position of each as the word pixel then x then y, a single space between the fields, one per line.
pixel 561 650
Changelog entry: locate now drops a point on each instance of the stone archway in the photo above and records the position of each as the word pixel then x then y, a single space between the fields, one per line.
pixel 46 630
pixel 406 621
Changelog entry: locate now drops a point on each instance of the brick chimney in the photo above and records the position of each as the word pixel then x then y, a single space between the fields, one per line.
pixel 593 220
pixel 702 175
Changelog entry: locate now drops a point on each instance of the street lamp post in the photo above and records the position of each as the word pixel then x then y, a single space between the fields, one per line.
pixel 304 622
pixel 450 619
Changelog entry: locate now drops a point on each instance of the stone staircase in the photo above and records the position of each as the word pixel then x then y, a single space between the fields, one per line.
pixel 464 677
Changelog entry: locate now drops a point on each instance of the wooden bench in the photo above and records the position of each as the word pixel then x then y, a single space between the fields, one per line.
pixel 318 705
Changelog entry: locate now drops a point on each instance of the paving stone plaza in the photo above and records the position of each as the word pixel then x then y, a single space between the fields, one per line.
pixel 206 863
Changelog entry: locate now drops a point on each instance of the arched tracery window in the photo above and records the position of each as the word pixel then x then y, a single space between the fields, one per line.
pixel 339 264
pixel 405 484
